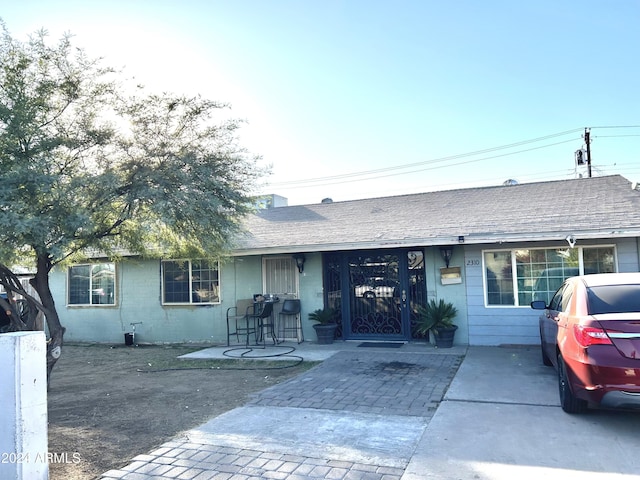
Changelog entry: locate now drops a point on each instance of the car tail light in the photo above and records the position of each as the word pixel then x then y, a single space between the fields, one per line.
pixel 587 336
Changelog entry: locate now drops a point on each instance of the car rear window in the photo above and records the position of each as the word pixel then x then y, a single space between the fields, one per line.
pixel 613 299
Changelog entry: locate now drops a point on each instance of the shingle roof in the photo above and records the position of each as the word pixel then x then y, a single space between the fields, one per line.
pixel 599 207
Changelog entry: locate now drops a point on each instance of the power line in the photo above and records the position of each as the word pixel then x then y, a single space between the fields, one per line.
pixel 546 175
pixel 618 126
pixel 340 179
pixel 298 183
pixel 615 136
pixel 430 164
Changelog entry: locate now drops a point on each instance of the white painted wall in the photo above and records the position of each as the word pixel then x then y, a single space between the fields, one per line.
pixel 23 396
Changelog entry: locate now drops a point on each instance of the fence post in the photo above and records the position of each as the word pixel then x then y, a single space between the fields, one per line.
pixel 23 397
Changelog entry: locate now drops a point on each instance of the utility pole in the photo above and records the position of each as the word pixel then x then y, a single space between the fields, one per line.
pixel 587 140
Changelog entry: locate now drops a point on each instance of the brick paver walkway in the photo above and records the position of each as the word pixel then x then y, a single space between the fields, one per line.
pixel 369 382
pixel 379 382
pixel 184 460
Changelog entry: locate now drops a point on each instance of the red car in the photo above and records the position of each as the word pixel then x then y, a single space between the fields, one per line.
pixel 590 332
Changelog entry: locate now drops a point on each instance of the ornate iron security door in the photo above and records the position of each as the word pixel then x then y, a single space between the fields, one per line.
pixel 376 293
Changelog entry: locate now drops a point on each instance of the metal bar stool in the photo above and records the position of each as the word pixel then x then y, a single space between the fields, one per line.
pixel 263 316
pixel 290 310
pixel 238 321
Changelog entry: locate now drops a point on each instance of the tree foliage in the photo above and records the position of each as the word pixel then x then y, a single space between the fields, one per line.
pixel 89 163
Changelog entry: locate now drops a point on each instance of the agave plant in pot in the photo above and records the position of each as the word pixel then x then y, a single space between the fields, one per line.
pixel 325 325
pixel 437 318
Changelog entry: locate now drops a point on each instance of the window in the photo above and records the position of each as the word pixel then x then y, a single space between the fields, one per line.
pixel 560 301
pixel 190 282
pixel 517 277
pixel 92 284
pixel 613 299
pixel 280 276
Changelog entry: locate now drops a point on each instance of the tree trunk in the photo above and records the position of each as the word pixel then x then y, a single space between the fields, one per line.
pixel 56 330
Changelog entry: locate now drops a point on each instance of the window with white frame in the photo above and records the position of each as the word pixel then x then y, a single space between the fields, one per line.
pixel 517 277
pixel 92 284
pixel 190 282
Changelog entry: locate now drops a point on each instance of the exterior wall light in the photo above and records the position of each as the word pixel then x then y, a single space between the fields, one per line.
pixel 300 259
pixel 446 253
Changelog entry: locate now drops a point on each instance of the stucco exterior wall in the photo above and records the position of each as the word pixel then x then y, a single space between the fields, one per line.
pixel 454 293
pixel 311 292
pixel 139 300
pixel 138 293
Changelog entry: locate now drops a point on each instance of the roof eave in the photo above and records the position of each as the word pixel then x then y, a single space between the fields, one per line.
pixel 462 239
pixel 561 235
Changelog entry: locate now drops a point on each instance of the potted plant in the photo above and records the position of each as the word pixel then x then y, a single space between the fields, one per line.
pixel 437 318
pixel 325 325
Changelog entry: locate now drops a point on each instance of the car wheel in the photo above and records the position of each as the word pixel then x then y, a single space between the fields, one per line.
pixel 568 401
pixel 369 295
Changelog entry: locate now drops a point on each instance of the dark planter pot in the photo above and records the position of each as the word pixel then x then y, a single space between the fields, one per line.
pixel 325 332
pixel 444 337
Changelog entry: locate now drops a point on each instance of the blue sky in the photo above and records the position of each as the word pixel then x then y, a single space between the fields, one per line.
pixel 364 98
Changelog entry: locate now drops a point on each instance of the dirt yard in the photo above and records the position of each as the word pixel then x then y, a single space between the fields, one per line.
pixel 109 404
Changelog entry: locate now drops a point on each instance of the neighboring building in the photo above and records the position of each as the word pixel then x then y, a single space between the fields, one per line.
pixel 375 260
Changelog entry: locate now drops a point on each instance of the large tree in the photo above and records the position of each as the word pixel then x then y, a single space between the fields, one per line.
pixel 89 164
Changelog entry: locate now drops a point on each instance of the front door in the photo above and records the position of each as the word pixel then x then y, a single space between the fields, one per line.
pixel 381 291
